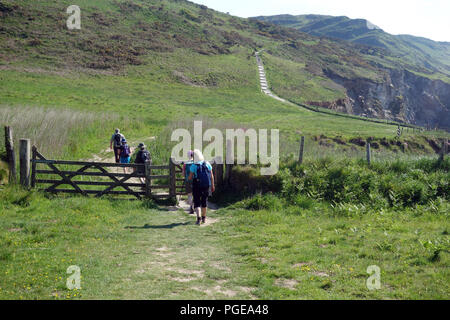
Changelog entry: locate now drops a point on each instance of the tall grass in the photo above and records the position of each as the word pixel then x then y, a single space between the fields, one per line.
pixel 162 148
pixel 52 131
pixel 316 150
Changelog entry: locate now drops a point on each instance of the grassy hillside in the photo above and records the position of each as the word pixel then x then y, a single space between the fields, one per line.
pixel 151 66
pixel 163 43
pixel 144 76
pixel 419 54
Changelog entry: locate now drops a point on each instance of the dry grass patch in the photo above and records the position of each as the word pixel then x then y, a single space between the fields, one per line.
pixel 50 130
pixel 287 283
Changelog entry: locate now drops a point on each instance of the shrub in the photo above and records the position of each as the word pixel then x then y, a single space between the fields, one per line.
pixel 399 166
pixel 247 180
pixel 263 202
pixel 352 183
pixel 303 202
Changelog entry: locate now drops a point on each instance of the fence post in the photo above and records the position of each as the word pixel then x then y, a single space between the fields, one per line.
pixel 148 180
pixel 24 156
pixel 33 166
pixel 10 155
pixel 368 153
pixel 229 162
pixel 302 146
pixel 218 178
pixel 228 173
pixel 443 150
pixel 172 179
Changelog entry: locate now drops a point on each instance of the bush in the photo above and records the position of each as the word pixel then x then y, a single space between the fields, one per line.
pixel 263 202
pixel 303 202
pixel 349 183
pixel 247 180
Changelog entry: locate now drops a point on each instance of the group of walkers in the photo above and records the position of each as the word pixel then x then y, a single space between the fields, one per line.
pixel 123 152
pixel 198 173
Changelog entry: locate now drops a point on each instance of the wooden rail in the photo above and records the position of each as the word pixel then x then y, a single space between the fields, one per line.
pixel 58 174
pixel 87 178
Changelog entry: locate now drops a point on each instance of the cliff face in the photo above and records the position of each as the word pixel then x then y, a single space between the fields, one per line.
pixel 403 96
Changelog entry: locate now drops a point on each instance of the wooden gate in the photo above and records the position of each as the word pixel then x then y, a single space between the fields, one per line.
pixel 98 178
pixel 86 178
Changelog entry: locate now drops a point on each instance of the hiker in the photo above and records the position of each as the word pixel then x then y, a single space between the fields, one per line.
pixel 187 182
pixel 202 179
pixel 142 157
pixel 125 154
pixel 116 139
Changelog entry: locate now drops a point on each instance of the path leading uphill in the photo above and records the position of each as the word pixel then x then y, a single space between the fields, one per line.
pixel 263 81
pixel 266 90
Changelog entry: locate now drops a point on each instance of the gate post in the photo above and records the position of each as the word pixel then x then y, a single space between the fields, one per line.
pixel 10 155
pixel 172 179
pixel 368 153
pixel 229 162
pixel 24 152
pixel 218 178
pixel 443 152
pixel 302 146
pixel 148 181
pixel 33 166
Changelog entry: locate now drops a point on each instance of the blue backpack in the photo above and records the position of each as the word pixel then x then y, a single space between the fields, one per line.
pixel 203 179
pixel 125 151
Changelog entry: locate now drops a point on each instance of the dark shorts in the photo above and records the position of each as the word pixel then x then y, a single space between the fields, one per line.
pixel 200 196
pixel 140 170
pixel 116 154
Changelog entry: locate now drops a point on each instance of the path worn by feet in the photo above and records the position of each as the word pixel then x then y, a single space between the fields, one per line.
pixel 174 259
pixel 212 208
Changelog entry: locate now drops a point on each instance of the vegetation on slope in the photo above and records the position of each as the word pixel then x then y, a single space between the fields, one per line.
pixel 418 54
pixel 290 245
pixel 155 40
pixel 151 66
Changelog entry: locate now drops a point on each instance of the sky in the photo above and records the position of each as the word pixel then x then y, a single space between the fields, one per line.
pixel 423 18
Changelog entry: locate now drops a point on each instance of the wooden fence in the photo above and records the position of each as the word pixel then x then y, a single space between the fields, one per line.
pixel 85 178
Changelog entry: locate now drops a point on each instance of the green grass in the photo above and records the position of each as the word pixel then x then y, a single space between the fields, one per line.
pixel 256 248
pixel 144 102
pixel 135 250
pixel 304 86
pixel 125 249
pixel 128 54
pixel 307 254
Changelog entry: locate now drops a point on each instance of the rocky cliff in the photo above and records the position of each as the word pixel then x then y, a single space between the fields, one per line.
pixel 403 96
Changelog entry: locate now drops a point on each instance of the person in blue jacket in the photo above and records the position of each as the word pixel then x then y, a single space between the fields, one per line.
pixel 202 179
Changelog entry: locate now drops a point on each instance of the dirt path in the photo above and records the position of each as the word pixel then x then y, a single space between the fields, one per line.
pixel 107 156
pixel 172 258
pixel 184 205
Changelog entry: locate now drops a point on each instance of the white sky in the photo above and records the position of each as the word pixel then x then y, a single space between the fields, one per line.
pixel 423 18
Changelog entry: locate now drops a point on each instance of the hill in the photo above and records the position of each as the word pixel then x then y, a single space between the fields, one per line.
pixel 151 66
pixel 431 55
pixel 408 60
pixel 156 62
